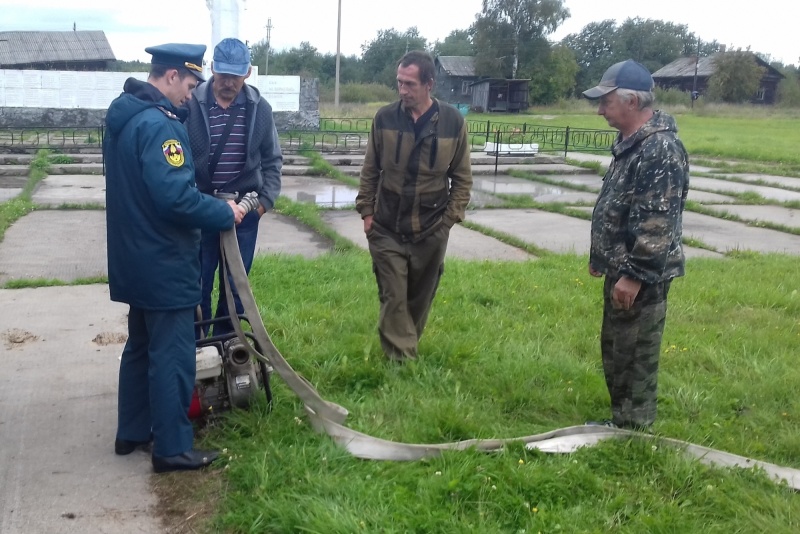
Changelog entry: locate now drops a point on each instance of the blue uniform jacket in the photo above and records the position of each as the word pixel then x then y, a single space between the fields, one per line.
pixel 154 211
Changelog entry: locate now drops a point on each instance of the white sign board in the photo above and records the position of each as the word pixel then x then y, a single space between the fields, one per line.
pixel 96 90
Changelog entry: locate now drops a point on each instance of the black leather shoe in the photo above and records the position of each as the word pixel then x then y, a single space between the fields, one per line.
pixel 187 461
pixel 124 446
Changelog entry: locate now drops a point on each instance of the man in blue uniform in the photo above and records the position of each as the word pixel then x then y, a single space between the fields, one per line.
pixel 154 214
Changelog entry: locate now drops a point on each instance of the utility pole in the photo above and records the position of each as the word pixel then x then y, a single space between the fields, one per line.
pixel 269 33
pixel 338 57
pixel 694 82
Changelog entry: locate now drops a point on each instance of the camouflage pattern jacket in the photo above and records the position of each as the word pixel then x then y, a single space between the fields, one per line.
pixel 637 222
pixel 411 185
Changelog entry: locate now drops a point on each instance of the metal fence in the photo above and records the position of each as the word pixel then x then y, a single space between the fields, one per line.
pixel 341 136
pixel 66 139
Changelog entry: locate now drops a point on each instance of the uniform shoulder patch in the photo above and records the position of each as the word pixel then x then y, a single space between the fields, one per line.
pixel 173 151
pixel 167 112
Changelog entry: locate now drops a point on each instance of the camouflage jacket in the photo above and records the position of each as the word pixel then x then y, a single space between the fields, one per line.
pixel 636 224
pixel 411 185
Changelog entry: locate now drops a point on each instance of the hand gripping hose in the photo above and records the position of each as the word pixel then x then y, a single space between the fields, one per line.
pixel 328 417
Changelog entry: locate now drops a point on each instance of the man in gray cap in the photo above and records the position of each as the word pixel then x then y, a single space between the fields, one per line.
pixel 636 238
pixel 154 214
pixel 236 152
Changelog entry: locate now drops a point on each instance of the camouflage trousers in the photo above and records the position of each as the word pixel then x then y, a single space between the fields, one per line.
pixel 630 342
pixel 407 275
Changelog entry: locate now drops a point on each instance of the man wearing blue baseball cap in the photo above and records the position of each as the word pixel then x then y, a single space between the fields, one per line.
pixel 236 152
pixel 154 213
pixel 636 238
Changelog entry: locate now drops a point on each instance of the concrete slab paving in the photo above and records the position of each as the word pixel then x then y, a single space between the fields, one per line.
pixel 775 181
pixel 56 190
pixel 7 193
pixel 58 470
pixel 551 231
pixel 464 243
pixel 278 234
pixel 60 244
pixel 705 197
pixel 729 235
pixel 14 170
pixel 71 244
pixel 773 214
pixel 724 186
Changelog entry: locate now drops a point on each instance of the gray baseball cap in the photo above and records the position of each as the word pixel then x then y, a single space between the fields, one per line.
pixel 623 75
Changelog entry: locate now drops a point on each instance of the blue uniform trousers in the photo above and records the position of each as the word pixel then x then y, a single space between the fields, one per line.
pixel 156 380
pixel 246 235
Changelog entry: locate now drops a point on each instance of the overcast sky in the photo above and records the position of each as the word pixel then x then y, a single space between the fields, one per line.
pixel 131 25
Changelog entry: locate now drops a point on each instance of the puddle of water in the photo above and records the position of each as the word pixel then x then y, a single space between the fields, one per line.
pixel 330 196
pixel 518 187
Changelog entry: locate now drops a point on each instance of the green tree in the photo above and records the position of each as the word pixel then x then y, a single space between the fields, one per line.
pixel 521 21
pixel 304 60
pixel 458 43
pixel 736 77
pixel 493 57
pixel 380 56
pixel 789 86
pixel 593 48
pixel 258 55
pixel 128 66
pixel 553 78
pixel 653 43
pixel 350 69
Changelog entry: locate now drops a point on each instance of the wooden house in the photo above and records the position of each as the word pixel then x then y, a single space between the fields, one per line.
pixel 500 94
pixel 681 74
pixel 69 50
pixel 454 78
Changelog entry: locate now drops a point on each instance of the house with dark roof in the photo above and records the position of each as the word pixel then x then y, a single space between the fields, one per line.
pixel 454 78
pixel 69 50
pixel 681 74
pixel 457 83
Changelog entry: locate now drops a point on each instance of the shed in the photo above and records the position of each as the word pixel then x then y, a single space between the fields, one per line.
pixel 69 50
pixel 454 78
pixel 499 94
pixel 680 74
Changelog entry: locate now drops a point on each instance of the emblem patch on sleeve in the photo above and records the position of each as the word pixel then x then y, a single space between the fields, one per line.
pixel 173 151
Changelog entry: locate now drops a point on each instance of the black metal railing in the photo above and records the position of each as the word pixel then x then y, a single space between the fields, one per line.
pixel 54 138
pixel 342 136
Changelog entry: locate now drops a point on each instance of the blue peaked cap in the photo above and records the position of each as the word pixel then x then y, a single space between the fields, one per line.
pixel 188 56
pixel 623 75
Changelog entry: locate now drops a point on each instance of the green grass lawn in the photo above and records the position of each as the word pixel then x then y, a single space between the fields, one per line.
pixel 511 349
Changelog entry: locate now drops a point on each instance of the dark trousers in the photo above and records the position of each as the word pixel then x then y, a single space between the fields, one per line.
pixel 630 343
pixel 156 379
pixel 407 275
pixel 246 235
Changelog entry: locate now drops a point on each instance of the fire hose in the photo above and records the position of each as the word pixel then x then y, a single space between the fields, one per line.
pixel 328 417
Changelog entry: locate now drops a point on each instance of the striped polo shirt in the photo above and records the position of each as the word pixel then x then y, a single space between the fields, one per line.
pixel 234 153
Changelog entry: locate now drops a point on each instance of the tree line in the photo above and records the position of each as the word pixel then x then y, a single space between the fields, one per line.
pixel 510 39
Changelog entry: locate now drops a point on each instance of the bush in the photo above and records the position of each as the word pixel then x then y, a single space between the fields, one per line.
pixel 672 97
pixel 358 93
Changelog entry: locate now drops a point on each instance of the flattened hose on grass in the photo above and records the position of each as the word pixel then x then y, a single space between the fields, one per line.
pixel 328 417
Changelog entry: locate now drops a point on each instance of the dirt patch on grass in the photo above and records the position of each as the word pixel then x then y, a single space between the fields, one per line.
pixel 187 501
